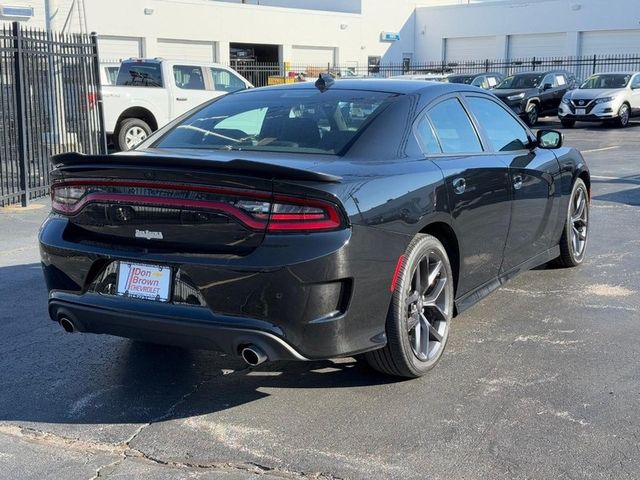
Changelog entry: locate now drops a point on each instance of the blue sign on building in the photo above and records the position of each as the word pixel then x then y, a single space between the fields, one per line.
pixel 389 36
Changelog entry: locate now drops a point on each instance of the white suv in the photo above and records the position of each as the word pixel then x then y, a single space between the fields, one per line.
pixel 604 97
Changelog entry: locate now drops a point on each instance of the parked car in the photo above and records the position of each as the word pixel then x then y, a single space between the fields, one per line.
pixel 605 97
pixel 148 93
pixel 311 221
pixel 535 94
pixel 486 80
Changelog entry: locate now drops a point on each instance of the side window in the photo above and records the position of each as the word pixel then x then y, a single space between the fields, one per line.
pixel 504 132
pixel 453 128
pixel 188 77
pixel 426 137
pixel 225 81
pixel 480 82
pixel 548 79
pixel 560 81
pixel 636 82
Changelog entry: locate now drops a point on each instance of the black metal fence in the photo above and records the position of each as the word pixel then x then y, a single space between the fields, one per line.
pixel 49 99
pixel 262 74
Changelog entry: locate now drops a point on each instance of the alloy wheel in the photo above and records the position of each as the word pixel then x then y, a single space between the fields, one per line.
pixel 579 221
pixel 624 115
pixel 427 307
pixel 135 136
pixel 532 114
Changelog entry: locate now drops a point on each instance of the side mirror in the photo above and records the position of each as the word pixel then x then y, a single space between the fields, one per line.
pixel 549 139
pixel 547 86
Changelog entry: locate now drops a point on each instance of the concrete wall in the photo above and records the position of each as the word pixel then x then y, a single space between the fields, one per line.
pixel 501 19
pixel 346 6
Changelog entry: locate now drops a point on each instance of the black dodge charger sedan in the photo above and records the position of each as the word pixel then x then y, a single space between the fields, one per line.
pixel 312 221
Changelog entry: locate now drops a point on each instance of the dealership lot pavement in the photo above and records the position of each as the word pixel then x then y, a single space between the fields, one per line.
pixel 540 380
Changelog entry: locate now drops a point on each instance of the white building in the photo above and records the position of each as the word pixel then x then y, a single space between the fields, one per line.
pixel 349 32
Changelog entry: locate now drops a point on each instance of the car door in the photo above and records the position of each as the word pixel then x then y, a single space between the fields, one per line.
pixel 534 176
pixel 190 88
pixel 478 189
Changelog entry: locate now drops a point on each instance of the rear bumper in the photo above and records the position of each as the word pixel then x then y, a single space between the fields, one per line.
pixel 297 296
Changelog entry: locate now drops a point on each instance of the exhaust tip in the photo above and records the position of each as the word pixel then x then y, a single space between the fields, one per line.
pixel 253 355
pixel 67 325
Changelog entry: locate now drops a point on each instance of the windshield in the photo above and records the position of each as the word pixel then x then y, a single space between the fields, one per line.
pixel 528 80
pixel 140 74
pixel 466 79
pixel 293 120
pixel 609 80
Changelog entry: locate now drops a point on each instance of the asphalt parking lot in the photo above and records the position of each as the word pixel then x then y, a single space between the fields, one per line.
pixel 541 380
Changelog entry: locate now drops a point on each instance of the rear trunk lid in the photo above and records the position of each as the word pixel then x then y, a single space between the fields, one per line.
pixel 182 203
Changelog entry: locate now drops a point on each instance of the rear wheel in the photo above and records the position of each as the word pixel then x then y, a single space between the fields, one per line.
pixel 568 123
pixel 573 243
pixel 132 132
pixel 624 114
pixel 420 315
pixel 532 116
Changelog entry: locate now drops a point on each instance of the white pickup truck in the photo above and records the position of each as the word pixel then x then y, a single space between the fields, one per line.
pixel 148 93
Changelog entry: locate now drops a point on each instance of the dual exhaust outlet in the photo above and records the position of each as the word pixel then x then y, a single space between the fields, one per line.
pixel 251 354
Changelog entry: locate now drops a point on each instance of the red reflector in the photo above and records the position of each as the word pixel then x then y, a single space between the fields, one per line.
pixel 396 273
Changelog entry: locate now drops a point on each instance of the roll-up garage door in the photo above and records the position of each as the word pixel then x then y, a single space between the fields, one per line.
pixel 114 49
pixel 537 45
pixel 187 50
pixel 610 42
pixel 316 56
pixel 470 48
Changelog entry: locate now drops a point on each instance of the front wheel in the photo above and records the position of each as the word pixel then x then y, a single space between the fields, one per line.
pixel 573 243
pixel 420 314
pixel 624 115
pixel 532 115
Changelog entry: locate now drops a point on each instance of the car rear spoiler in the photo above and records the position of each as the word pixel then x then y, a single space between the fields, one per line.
pixel 68 161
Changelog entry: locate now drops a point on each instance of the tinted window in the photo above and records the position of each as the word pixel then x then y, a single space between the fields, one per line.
pixel 297 121
pixel 548 80
pixel 225 81
pixel 453 128
pixel 527 80
pixel 188 77
pixel 426 137
pixel 466 79
pixel 504 132
pixel 140 74
pixel 636 82
pixel 609 80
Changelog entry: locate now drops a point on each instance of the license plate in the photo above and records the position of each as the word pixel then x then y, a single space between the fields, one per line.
pixel 581 111
pixel 146 282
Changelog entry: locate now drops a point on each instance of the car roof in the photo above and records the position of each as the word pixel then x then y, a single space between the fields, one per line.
pixel 381 85
pixel 615 73
pixel 541 72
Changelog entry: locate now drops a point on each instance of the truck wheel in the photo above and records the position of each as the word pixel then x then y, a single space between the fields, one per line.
pixel 131 133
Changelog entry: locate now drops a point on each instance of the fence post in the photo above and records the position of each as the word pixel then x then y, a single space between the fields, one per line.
pixel 533 64
pixel 98 85
pixel 21 121
pixel 486 65
pixel 595 64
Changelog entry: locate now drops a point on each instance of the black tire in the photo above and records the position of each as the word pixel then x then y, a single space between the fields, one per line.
pixel 568 123
pixel 575 228
pixel 532 115
pixel 132 127
pixel 400 357
pixel 624 115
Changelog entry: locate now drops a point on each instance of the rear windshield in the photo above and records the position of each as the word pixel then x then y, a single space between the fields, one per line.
pixel 531 80
pixel 295 120
pixel 140 74
pixel 466 79
pixel 610 80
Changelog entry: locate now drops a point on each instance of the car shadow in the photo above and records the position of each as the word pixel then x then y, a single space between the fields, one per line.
pixel 49 376
pixel 628 196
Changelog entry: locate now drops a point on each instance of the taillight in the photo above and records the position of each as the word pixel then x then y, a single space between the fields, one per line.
pixel 256 210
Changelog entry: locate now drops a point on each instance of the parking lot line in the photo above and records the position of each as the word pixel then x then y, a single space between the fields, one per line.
pixel 604 149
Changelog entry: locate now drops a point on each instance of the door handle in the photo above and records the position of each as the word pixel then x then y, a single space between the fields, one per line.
pixel 517 182
pixel 182 99
pixel 459 185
